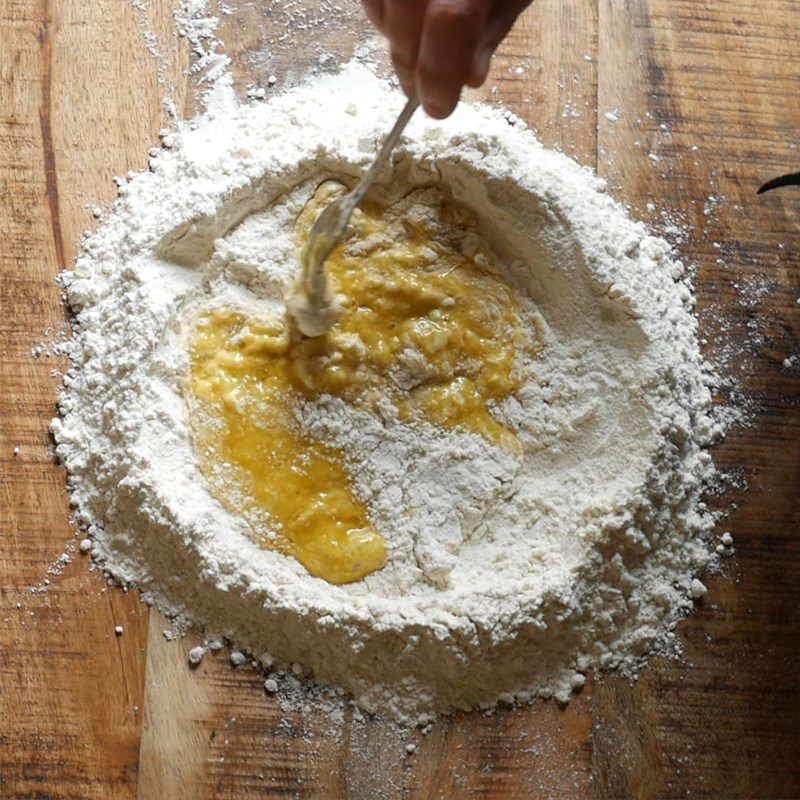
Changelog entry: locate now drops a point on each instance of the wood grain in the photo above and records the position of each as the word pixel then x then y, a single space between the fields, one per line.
pixel 81 102
pixel 712 92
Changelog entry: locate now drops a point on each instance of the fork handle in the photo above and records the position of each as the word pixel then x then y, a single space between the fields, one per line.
pixel 368 178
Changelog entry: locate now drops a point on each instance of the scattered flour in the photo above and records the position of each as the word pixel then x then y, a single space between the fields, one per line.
pixel 200 28
pixel 508 578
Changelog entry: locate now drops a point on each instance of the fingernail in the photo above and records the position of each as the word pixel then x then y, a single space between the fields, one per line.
pixel 436 111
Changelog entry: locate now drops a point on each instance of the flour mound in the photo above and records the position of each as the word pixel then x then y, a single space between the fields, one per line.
pixel 509 576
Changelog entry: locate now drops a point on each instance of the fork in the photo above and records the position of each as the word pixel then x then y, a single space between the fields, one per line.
pixel 311 305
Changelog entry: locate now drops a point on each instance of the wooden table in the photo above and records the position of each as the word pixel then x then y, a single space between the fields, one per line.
pixel 706 98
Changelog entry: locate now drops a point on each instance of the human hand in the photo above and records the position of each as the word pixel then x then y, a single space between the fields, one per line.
pixel 440 46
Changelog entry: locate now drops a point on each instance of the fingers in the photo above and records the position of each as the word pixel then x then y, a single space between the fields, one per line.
pixel 501 19
pixel 450 34
pixel 439 46
pixel 375 12
pixel 479 68
pixel 402 20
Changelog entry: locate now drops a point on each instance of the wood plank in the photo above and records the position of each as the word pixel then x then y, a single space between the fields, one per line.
pixel 712 91
pixel 266 752
pixel 213 733
pixel 554 44
pixel 71 689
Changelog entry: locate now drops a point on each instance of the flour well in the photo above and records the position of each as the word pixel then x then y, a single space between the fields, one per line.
pixel 510 573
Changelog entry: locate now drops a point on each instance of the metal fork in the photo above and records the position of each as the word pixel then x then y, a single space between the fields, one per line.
pixel 311 304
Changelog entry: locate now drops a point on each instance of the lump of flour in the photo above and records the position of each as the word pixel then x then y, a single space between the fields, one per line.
pixel 509 572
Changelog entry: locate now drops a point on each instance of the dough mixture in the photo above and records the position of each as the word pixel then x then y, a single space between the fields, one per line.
pixel 428 326
pixel 484 481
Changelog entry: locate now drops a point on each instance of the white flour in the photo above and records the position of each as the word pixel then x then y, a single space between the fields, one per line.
pixel 507 578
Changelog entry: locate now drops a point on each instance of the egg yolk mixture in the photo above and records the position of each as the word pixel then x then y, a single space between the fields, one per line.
pixel 427 323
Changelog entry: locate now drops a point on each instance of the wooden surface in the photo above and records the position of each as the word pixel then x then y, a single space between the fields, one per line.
pixel 707 96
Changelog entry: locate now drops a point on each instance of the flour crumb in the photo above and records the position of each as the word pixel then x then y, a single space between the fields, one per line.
pixel 697 589
pixel 577 681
